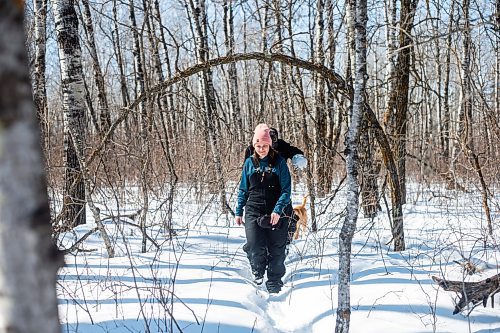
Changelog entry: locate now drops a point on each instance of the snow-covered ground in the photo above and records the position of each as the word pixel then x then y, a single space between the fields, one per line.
pixel 201 281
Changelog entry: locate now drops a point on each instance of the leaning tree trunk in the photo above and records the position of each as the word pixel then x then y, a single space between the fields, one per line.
pixel 359 20
pixel 29 260
pixel 66 23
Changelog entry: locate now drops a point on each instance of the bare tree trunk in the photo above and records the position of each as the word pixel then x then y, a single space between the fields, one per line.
pixel 334 125
pixel 396 118
pixel 369 172
pixel 29 260
pixel 265 69
pixel 144 128
pixel 359 19
pixel 74 110
pixel 102 99
pixel 321 161
pixel 465 122
pixel 298 84
pixel 235 110
pixel 171 117
pixel 465 114
pixel 446 130
pixel 119 58
pixel 207 89
pixel 39 87
pixel 284 118
pixel 163 106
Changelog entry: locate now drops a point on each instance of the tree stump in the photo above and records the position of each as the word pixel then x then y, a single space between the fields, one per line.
pixel 471 292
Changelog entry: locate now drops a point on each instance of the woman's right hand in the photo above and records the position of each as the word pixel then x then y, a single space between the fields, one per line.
pixel 239 220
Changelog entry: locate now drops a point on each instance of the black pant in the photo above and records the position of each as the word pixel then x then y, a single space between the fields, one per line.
pixel 266 247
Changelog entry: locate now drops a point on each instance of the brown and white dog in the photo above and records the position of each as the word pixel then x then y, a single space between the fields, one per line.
pixel 300 213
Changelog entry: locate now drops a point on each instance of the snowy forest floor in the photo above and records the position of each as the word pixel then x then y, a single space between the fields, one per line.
pixel 201 281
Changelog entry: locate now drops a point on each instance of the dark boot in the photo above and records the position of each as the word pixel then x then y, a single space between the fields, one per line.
pixel 274 286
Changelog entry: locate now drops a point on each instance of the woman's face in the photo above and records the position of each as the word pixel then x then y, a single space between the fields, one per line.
pixel 262 149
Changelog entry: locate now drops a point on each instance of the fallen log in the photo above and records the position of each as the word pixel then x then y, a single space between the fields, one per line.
pixel 471 292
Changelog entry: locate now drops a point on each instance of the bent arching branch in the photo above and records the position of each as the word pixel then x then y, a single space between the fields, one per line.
pixel 335 80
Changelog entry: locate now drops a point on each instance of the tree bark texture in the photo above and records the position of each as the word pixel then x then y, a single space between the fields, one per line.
pixel 39 81
pixel 396 118
pixel 471 292
pixel 29 260
pixel 360 17
pixel 66 23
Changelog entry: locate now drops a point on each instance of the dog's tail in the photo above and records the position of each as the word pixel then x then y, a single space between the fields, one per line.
pixel 303 205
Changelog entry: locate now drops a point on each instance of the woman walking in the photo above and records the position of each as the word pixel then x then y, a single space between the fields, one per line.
pixel 265 194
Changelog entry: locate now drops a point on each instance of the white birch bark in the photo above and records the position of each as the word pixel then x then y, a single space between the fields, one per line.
pixel 29 260
pixel 359 8
pixel 66 23
pixel 39 82
pixel 391 46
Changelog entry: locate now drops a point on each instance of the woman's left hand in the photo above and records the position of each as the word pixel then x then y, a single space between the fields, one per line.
pixel 274 218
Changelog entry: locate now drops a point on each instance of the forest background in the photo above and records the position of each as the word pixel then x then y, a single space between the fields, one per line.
pixel 160 96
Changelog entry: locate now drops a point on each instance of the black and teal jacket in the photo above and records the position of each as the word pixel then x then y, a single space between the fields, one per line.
pixel 266 188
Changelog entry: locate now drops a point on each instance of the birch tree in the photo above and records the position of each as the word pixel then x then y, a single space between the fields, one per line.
pixel 359 20
pixel 29 260
pixel 66 23
pixel 39 85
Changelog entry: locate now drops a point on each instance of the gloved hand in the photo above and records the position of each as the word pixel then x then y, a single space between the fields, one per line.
pixel 299 161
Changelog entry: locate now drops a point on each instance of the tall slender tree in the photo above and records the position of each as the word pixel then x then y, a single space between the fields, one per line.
pixel 66 23
pixel 144 122
pixel 359 18
pixel 396 117
pixel 39 85
pixel 29 260
pixel 208 94
pixel 235 110
pixel 102 96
